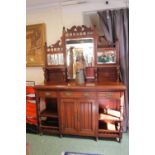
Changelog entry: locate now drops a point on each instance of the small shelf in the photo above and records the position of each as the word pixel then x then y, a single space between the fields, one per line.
pixel 51 123
pixel 49 131
pixel 106 117
pixel 109 127
pixel 103 131
pixel 109 135
pixel 50 127
pixel 48 113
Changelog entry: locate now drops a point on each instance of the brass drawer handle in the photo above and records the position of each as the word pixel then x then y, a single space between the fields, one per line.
pixel 86 94
pixel 67 93
pixel 109 95
pixel 47 93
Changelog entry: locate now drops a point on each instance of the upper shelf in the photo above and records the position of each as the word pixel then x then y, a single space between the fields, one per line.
pixel 55 54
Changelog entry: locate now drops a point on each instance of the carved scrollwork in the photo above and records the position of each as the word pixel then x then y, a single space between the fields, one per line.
pixel 78 31
pixel 57 44
pixel 57 47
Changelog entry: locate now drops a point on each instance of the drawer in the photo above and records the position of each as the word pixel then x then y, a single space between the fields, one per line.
pixel 108 95
pixel 47 94
pixel 68 94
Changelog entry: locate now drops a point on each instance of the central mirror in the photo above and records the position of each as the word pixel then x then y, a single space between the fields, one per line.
pixel 79 55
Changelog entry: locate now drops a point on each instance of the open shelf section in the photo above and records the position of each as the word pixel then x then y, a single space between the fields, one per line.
pixel 50 123
pixel 49 131
pixel 108 129
pixel 106 117
pixel 49 113
pixel 108 134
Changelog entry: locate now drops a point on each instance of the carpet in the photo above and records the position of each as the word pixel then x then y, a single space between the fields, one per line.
pixel 76 153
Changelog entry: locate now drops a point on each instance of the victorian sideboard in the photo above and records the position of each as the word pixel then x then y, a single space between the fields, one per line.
pixel 94 108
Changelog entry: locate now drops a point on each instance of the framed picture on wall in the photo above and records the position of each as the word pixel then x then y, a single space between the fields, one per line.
pixel 35 41
pixel 106 56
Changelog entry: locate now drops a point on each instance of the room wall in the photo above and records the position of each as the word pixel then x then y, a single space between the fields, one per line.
pixel 55 17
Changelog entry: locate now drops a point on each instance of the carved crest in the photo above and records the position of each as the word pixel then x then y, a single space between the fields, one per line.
pixel 78 31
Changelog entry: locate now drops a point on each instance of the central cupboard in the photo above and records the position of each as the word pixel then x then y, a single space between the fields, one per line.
pixel 78 116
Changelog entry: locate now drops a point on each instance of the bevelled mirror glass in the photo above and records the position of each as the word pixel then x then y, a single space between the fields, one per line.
pixel 55 59
pixel 76 50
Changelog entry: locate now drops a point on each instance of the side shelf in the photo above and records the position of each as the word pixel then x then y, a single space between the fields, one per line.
pixel 109 129
pixel 48 115
pixel 110 115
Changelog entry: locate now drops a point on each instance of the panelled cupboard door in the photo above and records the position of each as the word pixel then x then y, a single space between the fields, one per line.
pixel 86 117
pixel 68 111
pixel 78 116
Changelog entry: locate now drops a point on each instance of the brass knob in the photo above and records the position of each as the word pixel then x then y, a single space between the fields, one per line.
pixel 109 95
pixel 86 94
pixel 67 93
pixel 48 93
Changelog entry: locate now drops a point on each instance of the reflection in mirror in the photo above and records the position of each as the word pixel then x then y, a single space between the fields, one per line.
pixel 55 59
pixel 80 54
pixel 106 56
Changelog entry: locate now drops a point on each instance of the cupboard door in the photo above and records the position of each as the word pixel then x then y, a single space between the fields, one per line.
pixel 68 116
pixel 87 117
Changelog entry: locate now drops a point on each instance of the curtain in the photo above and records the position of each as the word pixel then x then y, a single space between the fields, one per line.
pixel 115 26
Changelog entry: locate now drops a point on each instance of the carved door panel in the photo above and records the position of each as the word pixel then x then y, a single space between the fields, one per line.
pixel 69 116
pixel 86 117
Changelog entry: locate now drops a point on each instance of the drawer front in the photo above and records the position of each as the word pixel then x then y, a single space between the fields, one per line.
pixel 108 95
pixel 47 94
pixel 68 94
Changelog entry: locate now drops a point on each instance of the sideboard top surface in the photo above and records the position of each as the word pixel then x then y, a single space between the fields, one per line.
pixel 95 86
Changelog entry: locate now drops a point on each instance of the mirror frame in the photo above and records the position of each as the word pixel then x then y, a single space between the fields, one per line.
pixel 80 32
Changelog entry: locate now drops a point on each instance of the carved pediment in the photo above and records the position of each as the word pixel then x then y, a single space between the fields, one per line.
pixel 78 31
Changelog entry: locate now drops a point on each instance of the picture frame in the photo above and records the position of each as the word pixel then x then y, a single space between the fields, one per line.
pixel 35 45
pixel 106 56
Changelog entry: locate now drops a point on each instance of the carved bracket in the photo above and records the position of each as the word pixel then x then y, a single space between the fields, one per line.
pixel 57 47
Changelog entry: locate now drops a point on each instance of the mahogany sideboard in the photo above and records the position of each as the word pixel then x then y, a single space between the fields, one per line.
pixel 94 106
pixel 71 109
